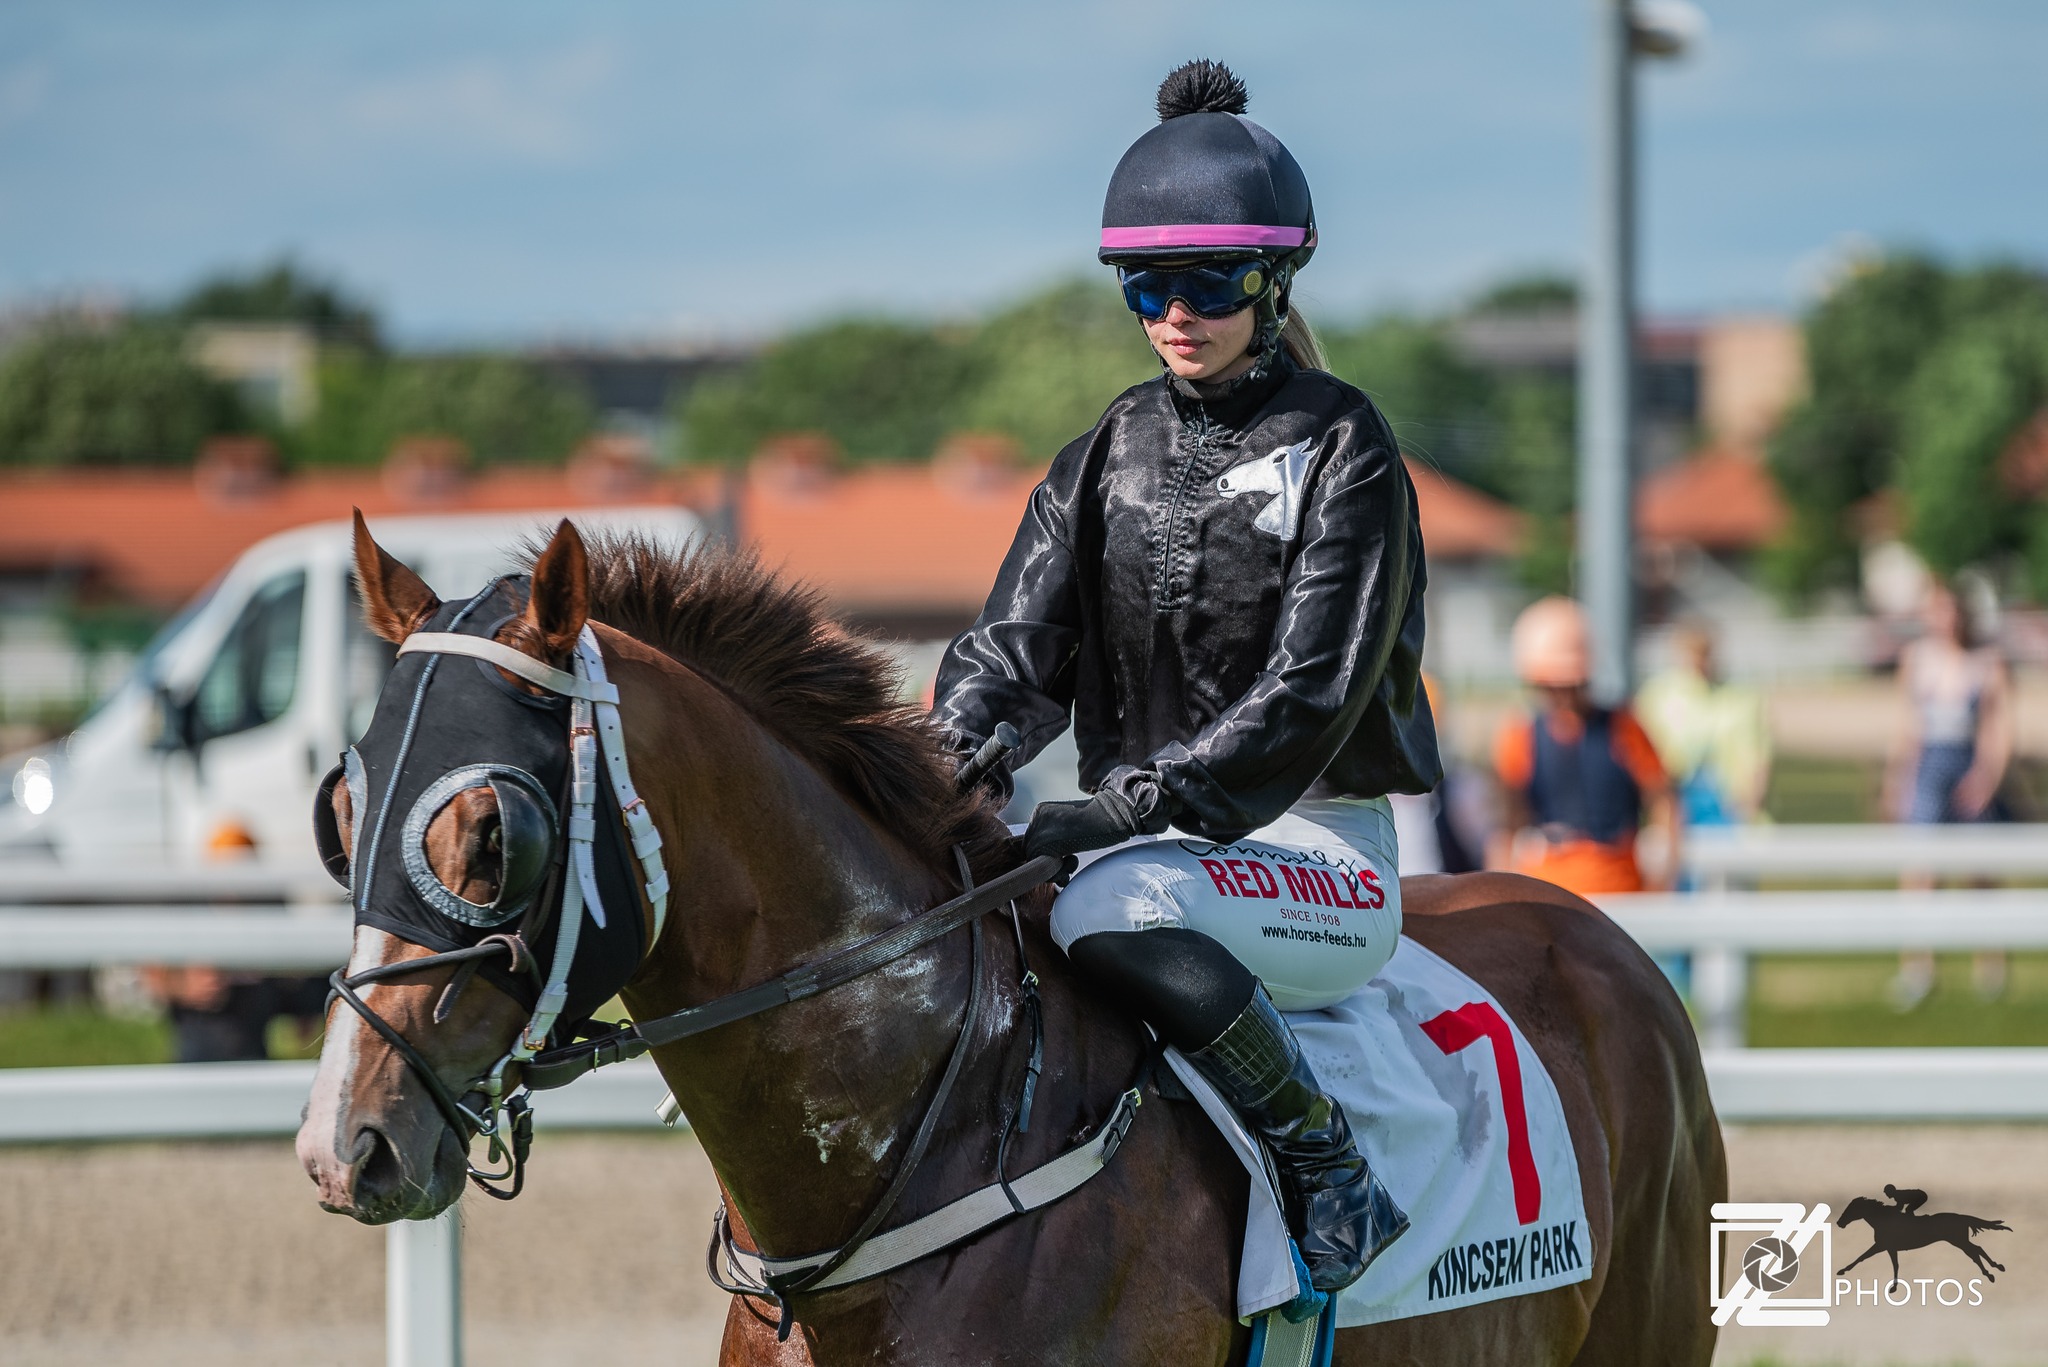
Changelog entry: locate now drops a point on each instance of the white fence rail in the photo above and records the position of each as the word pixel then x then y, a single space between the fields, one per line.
pixel 263 1100
pixel 1834 922
pixel 53 937
pixel 1746 854
pixel 44 881
pixel 1721 930
pixel 254 1100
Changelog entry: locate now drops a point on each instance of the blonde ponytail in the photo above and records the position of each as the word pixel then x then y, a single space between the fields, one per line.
pixel 1301 342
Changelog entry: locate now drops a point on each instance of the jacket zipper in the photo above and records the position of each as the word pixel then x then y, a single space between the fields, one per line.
pixel 1164 595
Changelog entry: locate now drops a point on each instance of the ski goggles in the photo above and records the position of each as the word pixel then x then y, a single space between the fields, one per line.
pixel 1214 289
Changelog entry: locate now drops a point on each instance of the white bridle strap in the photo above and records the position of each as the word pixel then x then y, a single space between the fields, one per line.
pixel 512 662
pixel 611 739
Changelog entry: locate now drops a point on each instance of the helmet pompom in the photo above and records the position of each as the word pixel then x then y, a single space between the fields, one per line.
pixel 1201 87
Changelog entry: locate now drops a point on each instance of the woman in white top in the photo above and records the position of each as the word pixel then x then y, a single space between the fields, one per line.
pixel 1954 742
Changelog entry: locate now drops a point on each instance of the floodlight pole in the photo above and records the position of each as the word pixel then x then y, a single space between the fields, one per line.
pixel 1606 371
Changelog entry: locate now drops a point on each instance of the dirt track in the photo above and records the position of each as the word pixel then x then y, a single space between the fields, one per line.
pixel 216 1256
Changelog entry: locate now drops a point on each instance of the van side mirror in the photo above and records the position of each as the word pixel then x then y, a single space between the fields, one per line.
pixel 174 717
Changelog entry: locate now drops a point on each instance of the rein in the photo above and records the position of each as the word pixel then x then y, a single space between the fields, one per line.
pixel 559 1067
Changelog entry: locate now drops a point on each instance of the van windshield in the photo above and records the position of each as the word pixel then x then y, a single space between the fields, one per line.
pixel 143 673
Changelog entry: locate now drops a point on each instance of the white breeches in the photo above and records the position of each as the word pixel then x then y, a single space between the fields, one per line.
pixel 1311 904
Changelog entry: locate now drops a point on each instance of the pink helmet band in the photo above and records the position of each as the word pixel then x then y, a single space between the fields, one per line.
pixel 1175 235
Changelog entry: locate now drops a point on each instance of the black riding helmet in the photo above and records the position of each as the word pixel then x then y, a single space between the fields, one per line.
pixel 1209 184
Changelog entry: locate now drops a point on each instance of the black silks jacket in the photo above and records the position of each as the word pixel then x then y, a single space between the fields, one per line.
pixel 1225 590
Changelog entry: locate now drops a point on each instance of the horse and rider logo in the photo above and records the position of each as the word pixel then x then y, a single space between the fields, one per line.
pixel 1896 1226
pixel 1763 1291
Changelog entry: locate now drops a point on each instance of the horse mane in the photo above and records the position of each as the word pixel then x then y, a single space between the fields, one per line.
pixel 829 695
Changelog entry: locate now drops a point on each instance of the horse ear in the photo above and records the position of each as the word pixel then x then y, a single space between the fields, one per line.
pixel 560 601
pixel 396 602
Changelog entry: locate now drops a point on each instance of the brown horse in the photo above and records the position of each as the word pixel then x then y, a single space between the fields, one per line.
pixel 801 811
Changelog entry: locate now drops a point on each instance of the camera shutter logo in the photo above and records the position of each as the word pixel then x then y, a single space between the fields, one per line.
pixel 1771 1264
pixel 1775 1238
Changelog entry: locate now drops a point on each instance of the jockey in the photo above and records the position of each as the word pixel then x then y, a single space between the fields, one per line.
pixel 1221 586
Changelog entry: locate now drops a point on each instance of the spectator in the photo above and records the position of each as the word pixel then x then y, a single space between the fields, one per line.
pixel 1954 741
pixel 218 1017
pixel 1578 777
pixel 1712 736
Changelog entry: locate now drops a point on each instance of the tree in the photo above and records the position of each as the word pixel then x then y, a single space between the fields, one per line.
pixel 885 390
pixel 282 292
pixel 1510 436
pixel 127 395
pixel 1046 368
pixel 1536 292
pixel 1537 460
pixel 1920 376
pixel 1443 409
pixel 505 410
pixel 1966 400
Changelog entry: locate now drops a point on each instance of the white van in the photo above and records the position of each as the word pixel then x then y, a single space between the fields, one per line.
pixel 214 744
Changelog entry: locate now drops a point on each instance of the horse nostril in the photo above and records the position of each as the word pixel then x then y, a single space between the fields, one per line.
pixel 378 1173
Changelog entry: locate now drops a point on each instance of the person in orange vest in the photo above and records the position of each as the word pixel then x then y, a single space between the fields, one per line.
pixel 1579 778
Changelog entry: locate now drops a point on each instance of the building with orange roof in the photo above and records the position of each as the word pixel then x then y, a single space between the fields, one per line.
pixel 1721 499
pixel 156 537
pixel 907 549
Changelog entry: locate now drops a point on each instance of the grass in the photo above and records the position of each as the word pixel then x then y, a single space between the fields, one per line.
pixel 1810 788
pixel 1840 1000
pixel 78 1035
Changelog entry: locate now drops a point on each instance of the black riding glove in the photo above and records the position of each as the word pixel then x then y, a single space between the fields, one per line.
pixel 1128 803
pixel 1062 828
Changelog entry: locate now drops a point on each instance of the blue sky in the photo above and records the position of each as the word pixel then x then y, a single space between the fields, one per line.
pixel 520 170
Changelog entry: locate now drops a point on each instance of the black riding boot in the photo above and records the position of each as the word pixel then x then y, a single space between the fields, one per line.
pixel 1340 1214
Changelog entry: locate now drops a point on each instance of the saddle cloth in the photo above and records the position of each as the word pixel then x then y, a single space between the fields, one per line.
pixel 1463 1124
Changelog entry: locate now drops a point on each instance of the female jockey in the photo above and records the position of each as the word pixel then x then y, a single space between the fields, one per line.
pixel 1222 586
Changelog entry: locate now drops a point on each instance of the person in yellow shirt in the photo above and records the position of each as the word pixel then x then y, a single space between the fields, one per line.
pixel 1713 736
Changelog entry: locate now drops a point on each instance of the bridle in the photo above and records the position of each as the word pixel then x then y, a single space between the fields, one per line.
pixel 593 718
pixel 506 1120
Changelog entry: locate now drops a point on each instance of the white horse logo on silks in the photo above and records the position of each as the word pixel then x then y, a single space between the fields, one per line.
pixel 1282 474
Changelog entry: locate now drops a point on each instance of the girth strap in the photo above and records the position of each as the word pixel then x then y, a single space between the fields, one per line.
pixel 950 1224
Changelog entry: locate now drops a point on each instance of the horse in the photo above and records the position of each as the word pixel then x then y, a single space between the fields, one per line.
pixel 1893 1231
pixel 801 808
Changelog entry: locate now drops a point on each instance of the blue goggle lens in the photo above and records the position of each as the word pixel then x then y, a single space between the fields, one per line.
pixel 1213 291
